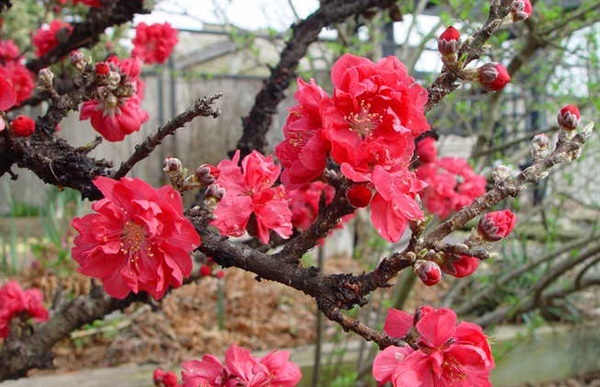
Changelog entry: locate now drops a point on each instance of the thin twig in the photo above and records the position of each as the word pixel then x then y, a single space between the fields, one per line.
pixel 203 107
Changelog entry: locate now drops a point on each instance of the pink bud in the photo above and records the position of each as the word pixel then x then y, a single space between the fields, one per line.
pixel 214 191
pixel 568 118
pixel 427 150
pixel 493 76
pixel 460 265
pixel 23 126
pixel 496 225
pixel 157 376
pixel 359 196
pixel 449 41
pixel 204 174
pixel 521 10
pixel 170 379
pixel 220 274
pixel 428 272
pixel 172 165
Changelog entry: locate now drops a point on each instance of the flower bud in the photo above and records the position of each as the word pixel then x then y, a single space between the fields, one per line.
pixel 359 196
pixel 77 59
pixel 496 225
pixel 460 265
pixel 521 10
pixel 493 76
pixel 449 41
pixel 541 145
pixel 45 77
pixel 220 274
pixel 501 173
pixel 102 68
pixel 426 150
pixel 428 272
pixel 205 271
pixel 23 126
pixel 204 174
pixel 214 191
pixel 172 165
pixel 568 118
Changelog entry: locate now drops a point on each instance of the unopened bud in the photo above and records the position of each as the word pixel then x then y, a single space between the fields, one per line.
pixel 568 118
pixel 428 272
pixel 46 77
pixel 102 69
pixel 23 126
pixel 449 41
pixel 493 76
pixel 113 79
pixel 77 59
pixel 501 173
pixel 521 10
pixel 172 165
pixel 214 191
pixel 541 145
pixel 204 174
pixel 496 225
pixel 359 196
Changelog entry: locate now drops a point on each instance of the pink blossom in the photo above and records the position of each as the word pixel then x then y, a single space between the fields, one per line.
pixel 451 185
pixel 394 203
pixel 48 37
pixel 114 122
pixel 8 96
pixel 21 79
pixel 250 195
pixel 426 150
pixel 448 354
pixel 242 369
pixel 14 302
pixel 154 43
pixel 304 202
pixel 304 149
pixel 137 239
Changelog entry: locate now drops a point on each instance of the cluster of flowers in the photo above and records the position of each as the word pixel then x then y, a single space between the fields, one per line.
pixel 116 111
pixel 368 127
pixel 451 182
pixel 15 302
pixel 14 74
pixel 240 369
pixel 445 353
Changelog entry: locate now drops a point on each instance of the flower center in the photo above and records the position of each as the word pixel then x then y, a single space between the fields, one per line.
pixel 452 369
pixel 364 122
pixel 131 241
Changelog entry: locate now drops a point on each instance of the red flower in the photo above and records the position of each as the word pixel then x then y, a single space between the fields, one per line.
pixel 493 76
pixel 249 195
pixel 23 126
pixel 114 122
pixel 138 239
pixel 154 43
pixel 568 118
pixel 9 51
pixel 15 302
pixel 48 37
pixel 496 225
pixel 304 202
pixel 89 3
pixel 394 203
pixel 448 354
pixel 8 96
pixel 452 184
pixel 304 149
pixel 460 265
pixel 426 150
pixel 22 80
pixel 376 114
pixel 164 379
pixel 449 41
